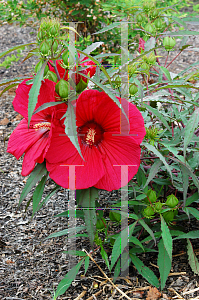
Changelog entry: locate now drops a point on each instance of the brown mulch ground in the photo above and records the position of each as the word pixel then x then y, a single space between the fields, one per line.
pixel 31 266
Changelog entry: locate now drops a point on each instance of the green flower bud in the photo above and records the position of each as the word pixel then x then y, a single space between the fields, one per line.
pixel 100 223
pixel 40 35
pixel 145 66
pixel 118 81
pixel 38 67
pixel 139 18
pixel 67 59
pixel 133 89
pixel 132 69
pixel 44 48
pixel 149 28
pixel 114 216
pixel 168 216
pixel 158 206
pixel 151 59
pixel 151 196
pixel 61 88
pixel 54 30
pixel 154 14
pixel 169 43
pixel 158 23
pixel 55 46
pixel 147 7
pixel 148 212
pixel 52 76
pixel 82 85
pixel 172 201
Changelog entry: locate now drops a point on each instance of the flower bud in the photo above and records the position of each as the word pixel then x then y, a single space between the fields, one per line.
pixel 132 69
pixel 133 89
pixel 151 59
pixel 145 66
pixel 52 76
pixel 44 48
pixel 158 206
pixel 65 57
pixel 54 29
pixel 55 45
pixel 139 18
pixel 114 216
pixel 149 28
pixel 158 23
pixel 169 43
pixel 168 216
pixel 147 7
pixel 38 67
pixel 40 35
pixel 82 85
pixel 148 212
pixel 61 88
pixel 172 201
pixel 154 14
pixel 151 196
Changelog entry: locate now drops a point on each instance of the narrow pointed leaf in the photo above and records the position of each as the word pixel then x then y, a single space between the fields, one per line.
pixel 190 235
pixel 38 192
pixel 47 197
pixel 166 236
pixel 109 27
pixel 193 211
pixel 68 279
pixel 92 47
pixel 66 231
pixel 46 105
pixel 185 182
pixel 164 263
pixel 181 33
pixel 87 260
pixel 105 257
pixel 190 128
pixel 34 177
pixel 161 157
pixel 17 79
pixel 147 228
pixel 144 271
pixel 192 199
pixel 8 88
pixel 166 73
pixel 34 91
pixel 193 261
pixel 71 128
pixel 153 171
pixel 14 48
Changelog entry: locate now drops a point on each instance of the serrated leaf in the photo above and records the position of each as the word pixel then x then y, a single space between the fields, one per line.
pixel 47 197
pixel 158 115
pixel 14 48
pixel 117 270
pixel 46 105
pixel 193 211
pixel 109 27
pixel 77 213
pixel 144 271
pixel 71 128
pixel 135 241
pixel 66 231
pixel 147 228
pixel 18 79
pixel 193 261
pixel 87 201
pixel 166 236
pixel 181 33
pixel 192 199
pixel 190 235
pixel 34 177
pixel 86 264
pixel 120 243
pixel 153 171
pixel 38 192
pixel 34 91
pixel 68 279
pixel 164 263
pixel 92 47
pixel 105 257
pixel 161 157
pixel 190 128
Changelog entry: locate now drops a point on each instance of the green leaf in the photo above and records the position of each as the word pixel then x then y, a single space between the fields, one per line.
pixel 46 105
pixel 164 263
pixel 144 271
pixel 147 228
pixel 71 128
pixel 8 88
pixel 18 79
pixel 86 264
pixel 105 257
pixel 166 73
pixel 181 33
pixel 153 171
pixel 135 241
pixel 14 48
pixel 34 177
pixel 87 201
pixel 117 270
pixel 38 192
pixel 75 252
pixel 190 128
pixel 68 279
pixel 120 243
pixel 161 157
pixel 192 199
pixel 34 91
pixel 48 197
pixel 190 235
pixel 109 27
pixel 185 181
pixel 78 213
pixel 166 236
pixel 158 115
pixel 66 231
pixel 92 47
pixel 194 264
pixel 193 211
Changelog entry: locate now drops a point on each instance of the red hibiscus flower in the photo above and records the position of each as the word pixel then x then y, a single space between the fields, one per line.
pixel 35 140
pixel 141 45
pixel 102 145
pixel 76 77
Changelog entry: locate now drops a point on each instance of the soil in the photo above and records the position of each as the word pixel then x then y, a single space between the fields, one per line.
pixel 32 266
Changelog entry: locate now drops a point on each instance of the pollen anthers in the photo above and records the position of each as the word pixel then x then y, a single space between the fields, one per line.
pixel 90 137
pixel 42 125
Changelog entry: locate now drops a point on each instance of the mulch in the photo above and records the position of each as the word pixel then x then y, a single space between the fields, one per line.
pixel 32 266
